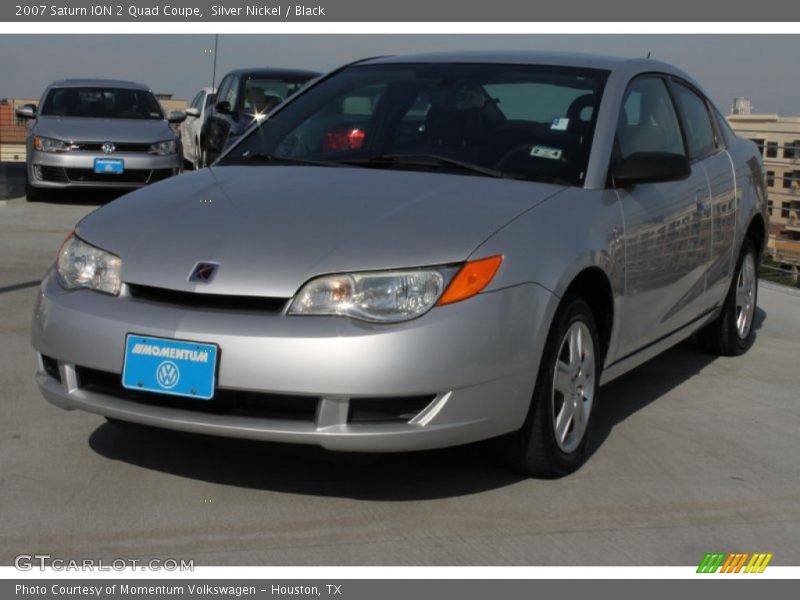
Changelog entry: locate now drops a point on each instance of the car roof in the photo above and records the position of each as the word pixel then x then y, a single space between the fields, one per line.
pixel 535 57
pixel 99 83
pixel 268 72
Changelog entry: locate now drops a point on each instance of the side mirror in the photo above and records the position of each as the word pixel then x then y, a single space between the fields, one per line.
pixel 650 167
pixel 192 112
pixel 176 116
pixel 223 107
pixel 26 111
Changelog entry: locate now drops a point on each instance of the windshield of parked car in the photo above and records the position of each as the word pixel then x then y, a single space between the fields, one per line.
pixel 526 122
pixel 262 95
pixel 101 103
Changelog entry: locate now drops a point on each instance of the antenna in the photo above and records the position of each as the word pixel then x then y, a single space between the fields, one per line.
pixel 214 68
pixel 648 54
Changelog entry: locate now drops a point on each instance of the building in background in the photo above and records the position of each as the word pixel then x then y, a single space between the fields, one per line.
pixel 13 129
pixel 779 140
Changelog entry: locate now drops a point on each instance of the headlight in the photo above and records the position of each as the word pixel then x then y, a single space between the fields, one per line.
pixel 393 296
pixel 164 148
pixel 43 144
pixel 81 265
pixel 385 297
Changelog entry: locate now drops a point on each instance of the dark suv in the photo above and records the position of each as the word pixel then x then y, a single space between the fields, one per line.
pixel 243 95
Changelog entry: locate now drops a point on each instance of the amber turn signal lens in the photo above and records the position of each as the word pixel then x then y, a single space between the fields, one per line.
pixel 471 279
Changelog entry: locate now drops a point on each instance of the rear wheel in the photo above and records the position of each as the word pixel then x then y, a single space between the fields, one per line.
pixel 732 332
pixel 554 439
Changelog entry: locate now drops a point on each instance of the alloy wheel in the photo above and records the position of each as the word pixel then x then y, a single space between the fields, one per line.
pixel 573 386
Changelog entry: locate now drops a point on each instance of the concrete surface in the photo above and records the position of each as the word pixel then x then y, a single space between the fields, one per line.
pixel 691 454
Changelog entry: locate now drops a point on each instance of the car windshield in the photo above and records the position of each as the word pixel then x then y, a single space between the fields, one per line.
pixel 262 95
pixel 101 103
pixel 525 122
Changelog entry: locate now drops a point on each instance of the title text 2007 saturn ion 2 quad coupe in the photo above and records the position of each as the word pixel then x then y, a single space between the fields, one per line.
pixel 95 133
pixel 418 252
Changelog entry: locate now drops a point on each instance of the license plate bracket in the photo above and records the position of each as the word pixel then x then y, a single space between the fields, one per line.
pixel 109 166
pixel 170 366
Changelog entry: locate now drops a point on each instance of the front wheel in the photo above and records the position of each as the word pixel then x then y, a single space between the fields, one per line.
pixel 732 332
pixel 34 194
pixel 196 156
pixel 554 439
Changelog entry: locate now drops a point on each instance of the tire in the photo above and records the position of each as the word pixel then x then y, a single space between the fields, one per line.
pixel 732 332
pixel 196 164
pixel 542 448
pixel 34 194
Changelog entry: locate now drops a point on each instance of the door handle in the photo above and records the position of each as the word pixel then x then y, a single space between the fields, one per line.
pixel 701 201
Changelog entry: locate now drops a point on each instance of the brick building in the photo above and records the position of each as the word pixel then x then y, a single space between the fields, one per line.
pixel 779 140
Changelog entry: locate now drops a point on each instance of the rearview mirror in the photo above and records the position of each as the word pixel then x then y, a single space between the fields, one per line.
pixel 176 116
pixel 192 112
pixel 223 107
pixel 650 167
pixel 26 111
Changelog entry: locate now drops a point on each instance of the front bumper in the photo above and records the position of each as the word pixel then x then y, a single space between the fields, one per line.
pixel 476 360
pixel 48 170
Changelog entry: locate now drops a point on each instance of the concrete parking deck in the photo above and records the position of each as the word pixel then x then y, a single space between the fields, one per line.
pixel 692 454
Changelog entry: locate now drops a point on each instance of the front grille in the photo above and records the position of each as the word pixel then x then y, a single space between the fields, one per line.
pixel 89 176
pixel 121 147
pixel 54 174
pixel 159 295
pixel 51 367
pixel 387 410
pixel 228 402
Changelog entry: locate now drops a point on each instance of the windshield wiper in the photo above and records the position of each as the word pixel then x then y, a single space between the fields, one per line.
pixel 428 161
pixel 264 157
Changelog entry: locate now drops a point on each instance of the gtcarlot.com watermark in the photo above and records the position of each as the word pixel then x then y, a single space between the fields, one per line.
pixel 42 562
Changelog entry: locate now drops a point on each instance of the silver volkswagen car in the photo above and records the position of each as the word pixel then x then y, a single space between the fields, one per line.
pixel 100 134
pixel 417 252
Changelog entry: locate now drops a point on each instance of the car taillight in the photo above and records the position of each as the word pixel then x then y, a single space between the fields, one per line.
pixel 349 138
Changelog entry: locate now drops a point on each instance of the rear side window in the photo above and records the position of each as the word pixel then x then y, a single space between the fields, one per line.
pixel 647 121
pixel 696 121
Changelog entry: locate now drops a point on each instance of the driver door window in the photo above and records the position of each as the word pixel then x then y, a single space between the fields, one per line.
pixel 647 121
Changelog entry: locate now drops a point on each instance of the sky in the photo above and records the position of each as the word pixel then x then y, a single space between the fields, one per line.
pixel 760 67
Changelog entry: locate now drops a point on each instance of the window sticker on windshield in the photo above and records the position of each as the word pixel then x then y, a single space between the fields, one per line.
pixel 559 124
pixel 546 152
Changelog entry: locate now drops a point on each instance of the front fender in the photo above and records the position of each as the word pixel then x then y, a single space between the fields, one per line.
pixel 554 242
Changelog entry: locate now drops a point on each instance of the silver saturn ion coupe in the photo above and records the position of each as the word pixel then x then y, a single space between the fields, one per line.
pixel 417 252
pixel 95 133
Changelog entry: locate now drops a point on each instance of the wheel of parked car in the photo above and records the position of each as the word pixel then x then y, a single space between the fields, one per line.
pixel 553 441
pixel 196 161
pixel 732 332
pixel 33 194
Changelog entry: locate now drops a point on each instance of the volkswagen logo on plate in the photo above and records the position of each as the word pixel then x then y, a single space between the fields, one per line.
pixel 167 374
pixel 108 147
pixel 203 272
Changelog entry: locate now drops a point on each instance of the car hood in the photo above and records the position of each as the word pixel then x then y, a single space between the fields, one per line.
pixel 83 129
pixel 272 228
